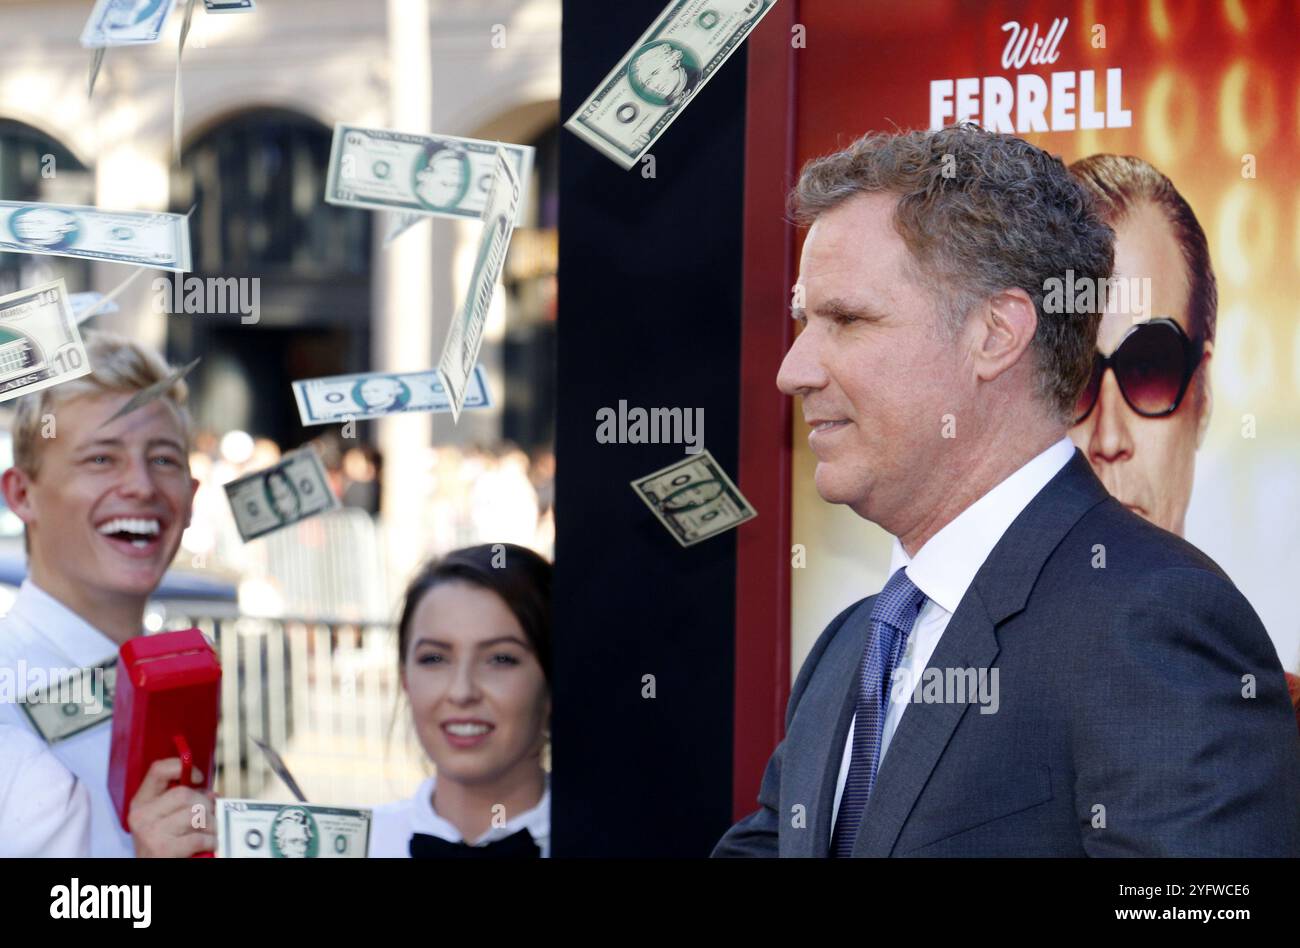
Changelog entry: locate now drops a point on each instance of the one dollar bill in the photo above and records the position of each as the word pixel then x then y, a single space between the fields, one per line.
pixel 375 394
pixel 255 829
pixel 75 702
pixel 659 76
pixel 416 175
pixel 126 22
pixel 694 499
pixel 143 238
pixel 465 335
pixel 294 489
pixel 39 342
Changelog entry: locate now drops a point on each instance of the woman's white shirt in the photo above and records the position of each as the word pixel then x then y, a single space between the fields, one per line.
pixel 393 824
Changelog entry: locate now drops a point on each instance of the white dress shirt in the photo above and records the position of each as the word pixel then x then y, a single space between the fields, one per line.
pixel 393 824
pixel 41 632
pixel 943 569
pixel 44 809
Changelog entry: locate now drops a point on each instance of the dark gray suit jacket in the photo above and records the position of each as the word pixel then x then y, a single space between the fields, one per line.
pixel 1123 725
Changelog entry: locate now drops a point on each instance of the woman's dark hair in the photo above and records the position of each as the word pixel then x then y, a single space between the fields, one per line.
pixel 520 577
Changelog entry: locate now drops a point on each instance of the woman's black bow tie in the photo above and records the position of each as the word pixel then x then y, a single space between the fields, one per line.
pixel 519 845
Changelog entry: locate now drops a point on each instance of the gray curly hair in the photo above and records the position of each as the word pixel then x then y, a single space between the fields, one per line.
pixel 981 212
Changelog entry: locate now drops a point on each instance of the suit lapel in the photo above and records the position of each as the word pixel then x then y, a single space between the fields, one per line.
pixel 1000 590
pixel 923 731
pixel 815 744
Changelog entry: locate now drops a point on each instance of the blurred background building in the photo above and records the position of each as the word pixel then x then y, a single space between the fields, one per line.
pixel 259 96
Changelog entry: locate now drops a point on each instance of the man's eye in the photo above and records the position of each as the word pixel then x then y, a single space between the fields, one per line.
pixel 166 461
pixel 98 459
pixel 843 319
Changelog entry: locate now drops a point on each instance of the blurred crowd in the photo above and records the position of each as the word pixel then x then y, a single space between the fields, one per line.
pixel 469 495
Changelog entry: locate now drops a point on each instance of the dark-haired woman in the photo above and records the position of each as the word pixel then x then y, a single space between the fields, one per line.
pixel 474 644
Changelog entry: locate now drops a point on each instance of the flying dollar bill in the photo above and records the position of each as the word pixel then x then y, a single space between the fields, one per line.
pixel 90 303
pixel 375 394
pixel 694 499
pixel 465 335
pixel 659 76
pixel 39 342
pixel 425 175
pixel 144 238
pixel 73 702
pixel 294 489
pixel 255 829
pixel 126 22
pixel 228 6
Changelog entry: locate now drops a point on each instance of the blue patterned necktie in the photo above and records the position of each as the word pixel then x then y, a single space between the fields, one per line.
pixel 892 615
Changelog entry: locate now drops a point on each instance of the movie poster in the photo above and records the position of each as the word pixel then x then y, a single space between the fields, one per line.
pixel 1203 94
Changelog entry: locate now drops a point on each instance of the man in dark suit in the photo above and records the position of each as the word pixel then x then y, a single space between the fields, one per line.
pixel 1045 673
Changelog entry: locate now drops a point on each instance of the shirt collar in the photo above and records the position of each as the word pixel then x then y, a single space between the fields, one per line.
pixel 75 638
pixel 946 565
pixel 537 820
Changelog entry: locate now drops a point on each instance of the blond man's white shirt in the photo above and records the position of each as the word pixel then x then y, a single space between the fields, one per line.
pixel 41 632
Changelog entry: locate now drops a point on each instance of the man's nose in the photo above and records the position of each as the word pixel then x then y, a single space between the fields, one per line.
pixel 137 479
pixel 1111 438
pixel 801 370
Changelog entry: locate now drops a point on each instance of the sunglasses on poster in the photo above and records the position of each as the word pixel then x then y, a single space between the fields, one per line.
pixel 1153 365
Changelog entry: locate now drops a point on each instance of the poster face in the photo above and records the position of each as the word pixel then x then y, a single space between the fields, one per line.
pixel 1206 100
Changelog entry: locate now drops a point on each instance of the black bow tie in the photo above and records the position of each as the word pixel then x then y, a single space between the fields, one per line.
pixel 519 845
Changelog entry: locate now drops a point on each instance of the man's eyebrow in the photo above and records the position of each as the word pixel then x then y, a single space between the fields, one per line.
pixel 118 443
pixel 842 307
pixel 106 442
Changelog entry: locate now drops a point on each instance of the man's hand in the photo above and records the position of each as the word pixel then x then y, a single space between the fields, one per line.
pixel 171 823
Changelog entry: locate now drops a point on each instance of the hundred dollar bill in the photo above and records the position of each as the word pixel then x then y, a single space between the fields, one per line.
pixel 39 342
pixel 126 22
pixel 465 335
pixel 88 304
pixel 374 394
pixel 74 703
pixel 694 499
pixel 659 76
pixel 255 829
pixel 144 238
pixel 294 489
pixel 228 6
pixel 425 175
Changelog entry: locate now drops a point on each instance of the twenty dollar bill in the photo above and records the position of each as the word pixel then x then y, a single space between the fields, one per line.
pixel 659 76
pixel 280 495
pixel 694 499
pixel 421 175
pixel 257 829
pixel 39 342
pixel 375 394
pixel 465 335
pixel 144 238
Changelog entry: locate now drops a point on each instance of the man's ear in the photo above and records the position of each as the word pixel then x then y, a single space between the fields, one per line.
pixel 1207 395
pixel 1003 329
pixel 16 484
